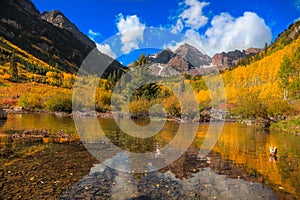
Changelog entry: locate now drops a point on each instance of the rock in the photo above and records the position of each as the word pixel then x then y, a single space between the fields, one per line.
pixel 225 60
pixel 263 122
pixel 3 114
pixel 185 59
pixel 58 19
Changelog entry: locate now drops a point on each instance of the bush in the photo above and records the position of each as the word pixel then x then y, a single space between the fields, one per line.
pixel 102 100
pixel 277 107
pixel 172 106
pixel 31 101
pixel 251 106
pixel 139 107
pixel 60 101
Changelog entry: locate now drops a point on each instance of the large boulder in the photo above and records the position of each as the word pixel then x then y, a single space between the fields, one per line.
pixel 3 114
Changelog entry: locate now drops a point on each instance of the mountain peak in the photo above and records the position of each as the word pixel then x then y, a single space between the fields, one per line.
pixel 195 57
pixel 58 19
pixel 23 25
pixel 225 60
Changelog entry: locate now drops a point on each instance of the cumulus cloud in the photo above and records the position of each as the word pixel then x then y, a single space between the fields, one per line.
pixel 131 31
pixel 227 33
pixel 192 16
pixel 105 48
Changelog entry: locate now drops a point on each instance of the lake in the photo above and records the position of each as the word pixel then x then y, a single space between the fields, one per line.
pixel 238 167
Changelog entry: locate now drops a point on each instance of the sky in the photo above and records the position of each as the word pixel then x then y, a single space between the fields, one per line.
pixel 125 27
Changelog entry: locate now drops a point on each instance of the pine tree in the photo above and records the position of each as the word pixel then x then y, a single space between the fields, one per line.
pixel 13 67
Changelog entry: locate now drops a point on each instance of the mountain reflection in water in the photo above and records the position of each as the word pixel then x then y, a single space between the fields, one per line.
pixel 239 164
pixel 187 178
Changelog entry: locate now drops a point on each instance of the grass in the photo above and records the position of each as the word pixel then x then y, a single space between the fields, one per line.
pixel 291 126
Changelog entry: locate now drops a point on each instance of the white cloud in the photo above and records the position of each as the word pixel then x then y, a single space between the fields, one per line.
pixel 193 16
pixel 227 33
pixel 105 48
pixel 178 27
pixel 131 31
pixel 92 34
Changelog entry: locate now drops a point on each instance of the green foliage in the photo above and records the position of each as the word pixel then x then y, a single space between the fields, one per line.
pixel 139 107
pixel 59 101
pixel 13 67
pixel 142 60
pixel 250 106
pixel 172 106
pixel 199 84
pixel 289 74
pixel 276 107
pixel 286 37
pixel 291 126
pixel 31 101
pixel 102 100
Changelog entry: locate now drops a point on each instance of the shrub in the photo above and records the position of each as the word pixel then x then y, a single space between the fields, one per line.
pixel 251 106
pixel 59 101
pixel 277 107
pixel 139 107
pixel 172 106
pixel 31 101
pixel 102 100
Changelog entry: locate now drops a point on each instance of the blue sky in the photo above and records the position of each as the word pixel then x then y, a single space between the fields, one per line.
pixel 217 26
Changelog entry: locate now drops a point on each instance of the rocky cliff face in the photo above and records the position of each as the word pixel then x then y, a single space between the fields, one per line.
pixel 192 55
pixel 164 56
pixel 224 60
pixel 185 59
pixel 58 19
pixel 21 23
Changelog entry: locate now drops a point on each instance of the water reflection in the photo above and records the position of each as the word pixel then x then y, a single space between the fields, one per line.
pixel 240 162
pixel 187 178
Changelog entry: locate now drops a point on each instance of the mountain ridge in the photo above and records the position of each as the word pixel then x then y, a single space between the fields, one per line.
pixel 22 24
pixel 58 19
pixel 228 59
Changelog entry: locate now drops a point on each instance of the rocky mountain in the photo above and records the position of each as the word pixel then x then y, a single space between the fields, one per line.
pixel 185 59
pixel 162 57
pixel 225 60
pixel 50 37
pixel 191 54
pixel 58 19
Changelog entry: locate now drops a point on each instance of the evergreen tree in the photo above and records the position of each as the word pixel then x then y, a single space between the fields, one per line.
pixel 285 73
pixel 13 67
pixel 266 48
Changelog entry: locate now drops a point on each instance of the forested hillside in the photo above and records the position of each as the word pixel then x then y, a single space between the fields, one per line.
pixel 268 83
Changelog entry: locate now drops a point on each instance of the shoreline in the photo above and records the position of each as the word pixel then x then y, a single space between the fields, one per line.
pixel 283 125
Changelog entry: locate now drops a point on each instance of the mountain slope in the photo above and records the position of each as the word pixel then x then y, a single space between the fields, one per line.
pixel 258 86
pixel 226 60
pixel 185 59
pixel 191 54
pixel 22 24
pixel 58 19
